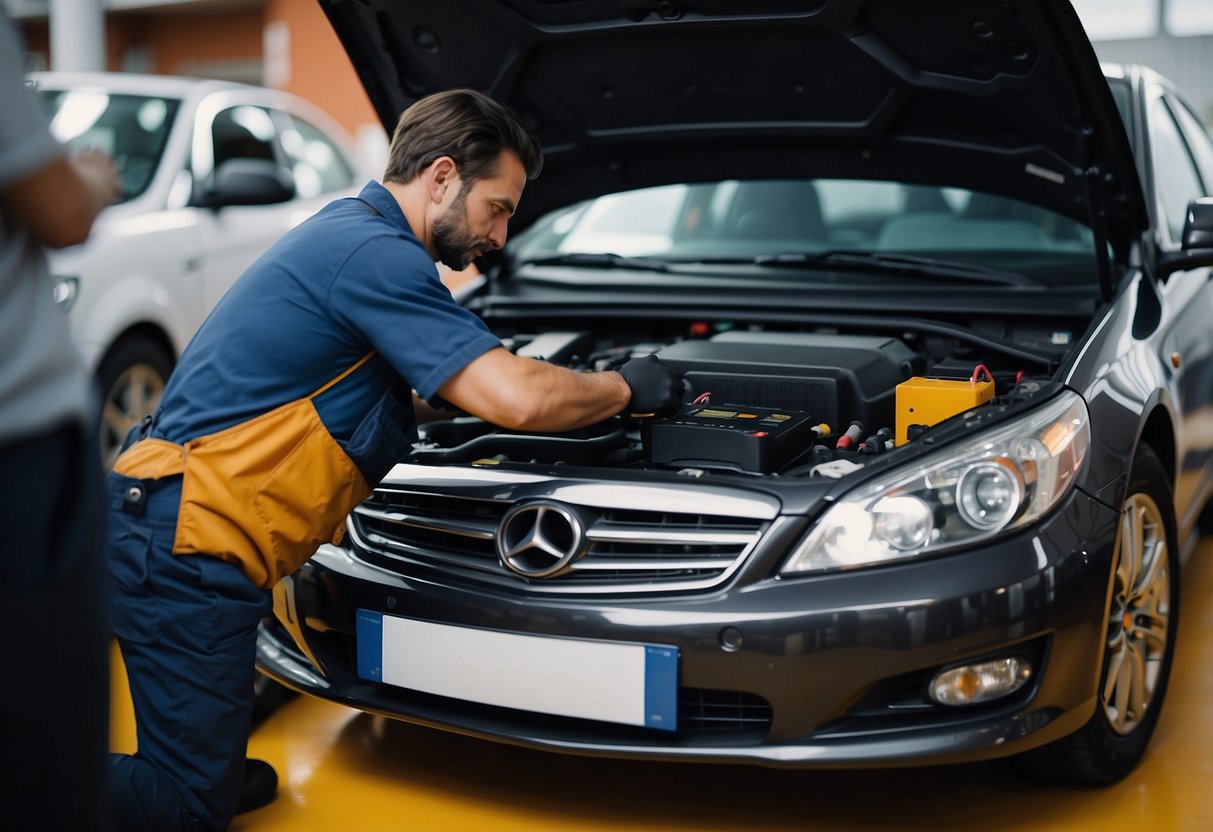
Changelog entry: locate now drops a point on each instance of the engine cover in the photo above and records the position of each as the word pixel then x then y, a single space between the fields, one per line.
pixel 833 378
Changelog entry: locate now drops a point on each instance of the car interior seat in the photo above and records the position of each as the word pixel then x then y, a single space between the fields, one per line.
pixel 985 222
pixel 924 199
pixel 776 210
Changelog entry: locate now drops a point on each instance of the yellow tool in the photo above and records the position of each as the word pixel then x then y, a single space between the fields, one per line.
pixel 926 401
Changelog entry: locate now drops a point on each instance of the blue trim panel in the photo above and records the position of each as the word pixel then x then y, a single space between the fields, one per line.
pixel 661 687
pixel 369 636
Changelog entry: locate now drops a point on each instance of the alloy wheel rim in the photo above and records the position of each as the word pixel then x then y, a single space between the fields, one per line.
pixel 135 394
pixel 1140 615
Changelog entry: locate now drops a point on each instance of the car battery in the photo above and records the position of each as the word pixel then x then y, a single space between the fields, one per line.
pixel 758 440
pixel 922 402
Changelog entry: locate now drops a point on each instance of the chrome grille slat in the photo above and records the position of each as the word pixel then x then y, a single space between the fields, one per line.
pixel 640 565
pixel 403 552
pixel 483 531
pixel 629 549
pixel 618 533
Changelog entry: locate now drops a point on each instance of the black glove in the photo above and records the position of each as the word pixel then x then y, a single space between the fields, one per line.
pixel 655 389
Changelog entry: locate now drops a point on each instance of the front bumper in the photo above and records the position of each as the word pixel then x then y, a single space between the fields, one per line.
pixel 831 669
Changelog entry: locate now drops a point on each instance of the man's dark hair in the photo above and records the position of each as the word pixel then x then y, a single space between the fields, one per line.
pixel 466 125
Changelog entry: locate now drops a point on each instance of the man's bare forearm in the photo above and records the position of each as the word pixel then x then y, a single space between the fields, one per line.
pixel 526 394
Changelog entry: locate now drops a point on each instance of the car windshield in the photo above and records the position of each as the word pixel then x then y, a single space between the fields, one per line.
pixel 132 129
pixel 783 223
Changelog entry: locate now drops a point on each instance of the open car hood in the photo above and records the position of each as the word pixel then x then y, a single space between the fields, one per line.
pixel 1001 97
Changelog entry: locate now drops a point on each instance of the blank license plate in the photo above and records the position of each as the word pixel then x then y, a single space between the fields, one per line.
pixel 631 684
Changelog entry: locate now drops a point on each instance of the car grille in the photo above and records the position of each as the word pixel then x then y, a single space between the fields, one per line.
pixel 633 550
pixel 722 711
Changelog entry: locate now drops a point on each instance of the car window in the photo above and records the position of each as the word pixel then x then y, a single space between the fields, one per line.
pixel 622 224
pixel 317 163
pixel 1121 94
pixel 1175 179
pixel 132 129
pixel 740 220
pixel 1199 141
pixel 243 132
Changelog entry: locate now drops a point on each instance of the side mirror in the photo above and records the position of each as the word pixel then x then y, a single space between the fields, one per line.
pixel 245 182
pixel 1196 249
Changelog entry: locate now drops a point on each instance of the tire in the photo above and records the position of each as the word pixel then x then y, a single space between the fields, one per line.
pixel 1143 617
pixel 131 378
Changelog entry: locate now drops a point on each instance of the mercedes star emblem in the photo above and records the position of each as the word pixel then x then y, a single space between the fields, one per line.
pixel 540 539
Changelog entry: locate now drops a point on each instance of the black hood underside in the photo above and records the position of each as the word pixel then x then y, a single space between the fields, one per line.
pixel 1000 96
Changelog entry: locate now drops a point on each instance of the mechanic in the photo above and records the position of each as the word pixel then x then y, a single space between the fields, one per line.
pixel 289 404
pixel 54 675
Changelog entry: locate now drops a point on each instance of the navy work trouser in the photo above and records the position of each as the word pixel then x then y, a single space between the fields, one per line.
pixel 187 627
pixel 54 664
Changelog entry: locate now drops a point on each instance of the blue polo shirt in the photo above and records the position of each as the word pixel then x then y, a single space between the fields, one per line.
pixel 346 281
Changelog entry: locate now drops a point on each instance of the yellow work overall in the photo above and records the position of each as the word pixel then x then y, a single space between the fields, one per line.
pixel 262 494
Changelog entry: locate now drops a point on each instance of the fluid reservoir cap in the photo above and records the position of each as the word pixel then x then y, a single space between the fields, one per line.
pixel 730 639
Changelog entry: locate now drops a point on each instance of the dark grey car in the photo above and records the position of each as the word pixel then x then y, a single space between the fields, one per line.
pixel 940 288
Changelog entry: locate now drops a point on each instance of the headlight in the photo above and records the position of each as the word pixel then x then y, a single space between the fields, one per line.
pixel 65 291
pixel 1004 479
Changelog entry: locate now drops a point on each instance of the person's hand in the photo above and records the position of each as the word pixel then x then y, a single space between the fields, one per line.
pixel 59 201
pixel 655 390
pixel 98 171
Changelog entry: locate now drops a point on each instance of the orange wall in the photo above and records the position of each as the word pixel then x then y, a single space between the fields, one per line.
pixel 173 39
pixel 118 35
pixel 176 39
pixel 35 36
pixel 319 68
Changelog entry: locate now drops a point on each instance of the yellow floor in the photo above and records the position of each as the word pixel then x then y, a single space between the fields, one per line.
pixel 344 770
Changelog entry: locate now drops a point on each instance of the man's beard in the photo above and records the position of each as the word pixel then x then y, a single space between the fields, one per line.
pixel 453 241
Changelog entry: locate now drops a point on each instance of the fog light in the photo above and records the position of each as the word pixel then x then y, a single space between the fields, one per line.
pixel 980 682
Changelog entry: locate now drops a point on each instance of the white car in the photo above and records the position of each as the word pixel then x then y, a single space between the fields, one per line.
pixel 213 173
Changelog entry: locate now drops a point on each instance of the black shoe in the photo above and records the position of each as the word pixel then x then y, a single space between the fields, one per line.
pixel 260 786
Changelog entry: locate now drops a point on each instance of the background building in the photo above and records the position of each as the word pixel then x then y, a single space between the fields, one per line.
pixel 289 44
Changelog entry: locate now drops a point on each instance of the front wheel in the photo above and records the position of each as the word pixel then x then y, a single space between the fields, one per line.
pixel 131 377
pixel 1140 641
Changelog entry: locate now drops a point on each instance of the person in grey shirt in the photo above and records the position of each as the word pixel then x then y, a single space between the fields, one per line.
pixel 54 683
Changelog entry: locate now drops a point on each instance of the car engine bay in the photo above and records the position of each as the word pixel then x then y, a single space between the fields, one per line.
pixel 762 401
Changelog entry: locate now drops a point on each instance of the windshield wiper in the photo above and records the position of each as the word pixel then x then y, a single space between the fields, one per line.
pixel 599 261
pixel 896 264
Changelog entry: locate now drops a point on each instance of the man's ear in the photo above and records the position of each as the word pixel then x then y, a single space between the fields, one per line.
pixel 441 175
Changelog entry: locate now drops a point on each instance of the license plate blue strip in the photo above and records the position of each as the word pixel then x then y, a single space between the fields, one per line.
pixel 370 645
pixel 661 688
